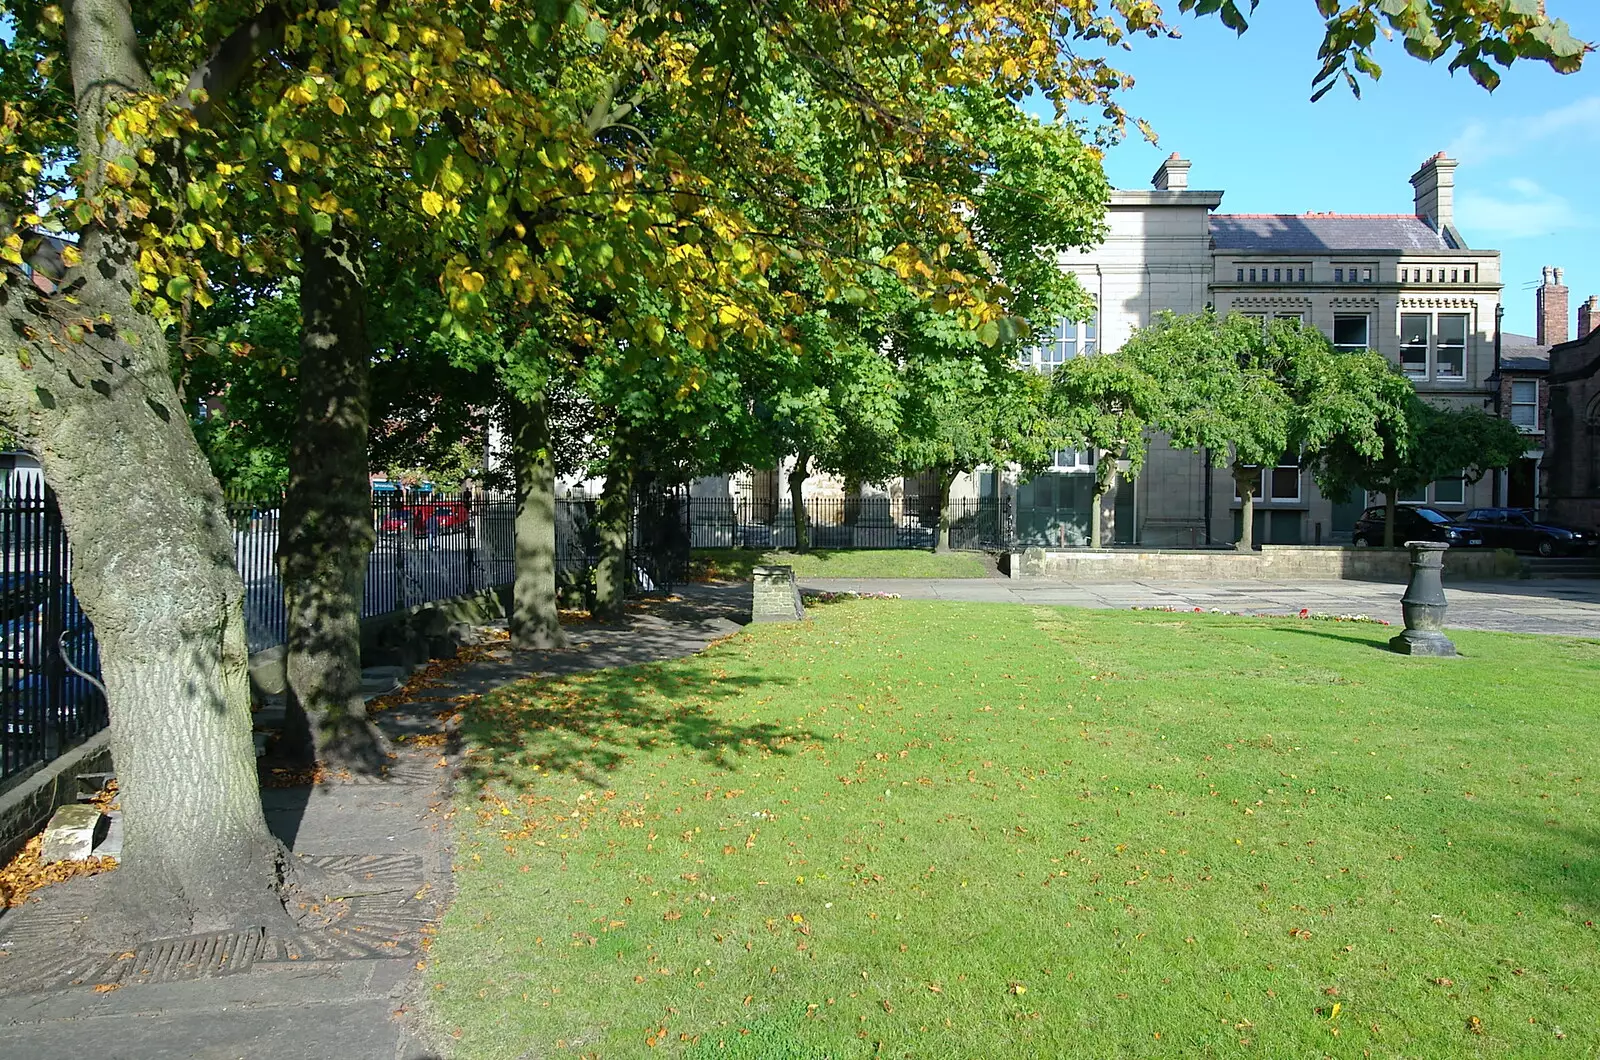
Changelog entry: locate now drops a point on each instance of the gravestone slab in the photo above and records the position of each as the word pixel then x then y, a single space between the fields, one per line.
pixel 775 595
pixel 70 835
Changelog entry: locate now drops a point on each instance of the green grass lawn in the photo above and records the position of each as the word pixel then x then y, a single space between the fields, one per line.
pixel 940 830
pixel 734 563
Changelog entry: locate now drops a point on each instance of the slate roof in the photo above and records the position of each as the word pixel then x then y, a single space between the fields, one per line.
pixel 1324 232
pixel 1523 353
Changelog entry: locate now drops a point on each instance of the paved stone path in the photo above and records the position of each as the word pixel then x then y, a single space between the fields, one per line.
pixel 1563 606
pixel 343 989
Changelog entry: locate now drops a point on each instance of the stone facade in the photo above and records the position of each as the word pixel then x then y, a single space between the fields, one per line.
pixel 1572 477
pixel 1406 285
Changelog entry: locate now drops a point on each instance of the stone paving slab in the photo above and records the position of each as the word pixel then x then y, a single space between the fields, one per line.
pixel 1553 606
pixel 346 989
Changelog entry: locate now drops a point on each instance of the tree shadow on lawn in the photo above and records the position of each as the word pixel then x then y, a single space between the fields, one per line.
pixel 587 725
pixel 1379 645
pixel 1552 860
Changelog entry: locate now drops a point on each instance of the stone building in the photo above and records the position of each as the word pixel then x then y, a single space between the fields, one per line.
pixel 1572 468
pixel 1406 284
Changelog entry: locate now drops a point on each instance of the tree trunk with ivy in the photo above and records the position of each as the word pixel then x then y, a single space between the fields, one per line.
pixel 797 502
pixel 1246 481
pixel 534 620
pixel 327 514
pixel 941 539
pixel 88 386
pixel 612 516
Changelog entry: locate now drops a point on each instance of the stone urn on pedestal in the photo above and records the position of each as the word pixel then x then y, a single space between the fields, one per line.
pixel 1423 603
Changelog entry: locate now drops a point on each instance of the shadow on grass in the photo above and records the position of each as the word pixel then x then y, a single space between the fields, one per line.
pixel 587 725
pixel 1365 642
pixel 1555 861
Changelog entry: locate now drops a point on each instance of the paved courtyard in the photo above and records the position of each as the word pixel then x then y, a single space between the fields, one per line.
pixel 1562 606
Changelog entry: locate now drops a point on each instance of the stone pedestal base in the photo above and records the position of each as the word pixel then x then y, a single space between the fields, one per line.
pixel 775 596
pixel 1423 642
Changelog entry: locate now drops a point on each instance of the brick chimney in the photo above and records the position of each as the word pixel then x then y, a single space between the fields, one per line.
pixel 1550 309
pixel 1588 317
pixel 1173 174
pixel 1435 185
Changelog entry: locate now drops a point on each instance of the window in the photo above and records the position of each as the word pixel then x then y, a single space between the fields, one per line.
pixel 1073 460
pixel 1466 275
pixel 1067 340
pixel 1252 276
pixel 1241 276
pixel 1338 275
pixel 1279 484
pixel 1302 276
pixel 1285 483
pixel 1453 276
pixel 1451 355
pixel 1301 317
pixel 1525 404
pixel 1416 275
pixel 1414 329
pixel 1350 332
pixel 1430 275
pixel 1418 497
pixel 1366 275
pixel 1277 275
pixel 1451 490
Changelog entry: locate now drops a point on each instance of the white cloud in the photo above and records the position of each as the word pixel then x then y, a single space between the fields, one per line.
pixel 1480 141
pixel 1526 211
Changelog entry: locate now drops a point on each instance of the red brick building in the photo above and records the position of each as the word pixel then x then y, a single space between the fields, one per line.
pixel 1572 464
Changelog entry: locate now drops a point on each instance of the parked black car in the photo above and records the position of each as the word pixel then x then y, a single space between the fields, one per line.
pixel 1413 523
pixel 1516 528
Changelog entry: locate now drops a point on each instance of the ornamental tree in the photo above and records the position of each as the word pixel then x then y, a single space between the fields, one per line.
pixel 1247 392
pixel 467 109
pixel 1424 443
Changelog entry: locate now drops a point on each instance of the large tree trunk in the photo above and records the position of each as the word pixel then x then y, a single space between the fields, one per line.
pixel 941 539
pixel 327 515
pixel 152 551
pixel 797 502
pixel 1246 480
pixel 1391 509
pixel 534 620
pixel 1105 480
pixel 611 531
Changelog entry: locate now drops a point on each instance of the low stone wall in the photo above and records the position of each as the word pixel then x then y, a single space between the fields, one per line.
pixel 400 638
pixel 31 798
pixel 1286 563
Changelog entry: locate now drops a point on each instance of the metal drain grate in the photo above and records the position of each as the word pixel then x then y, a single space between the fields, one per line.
pixel 194 957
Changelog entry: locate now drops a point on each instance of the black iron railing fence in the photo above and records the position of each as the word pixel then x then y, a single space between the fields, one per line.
pixel 44 706
pixel 426 547
pixel 847 523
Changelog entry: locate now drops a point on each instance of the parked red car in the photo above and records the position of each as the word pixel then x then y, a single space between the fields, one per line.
pixel 449 518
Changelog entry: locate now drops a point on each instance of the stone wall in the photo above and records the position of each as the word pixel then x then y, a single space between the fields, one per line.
pixel 1285 563
pixel 31 798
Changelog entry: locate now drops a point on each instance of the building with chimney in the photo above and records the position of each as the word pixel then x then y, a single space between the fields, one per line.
pixel 1407 284
pixel 1571 478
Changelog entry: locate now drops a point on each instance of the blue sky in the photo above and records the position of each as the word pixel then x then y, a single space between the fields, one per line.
pixel 1238 108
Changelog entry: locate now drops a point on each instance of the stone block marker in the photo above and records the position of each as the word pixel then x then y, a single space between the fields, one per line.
pixel 775 596
pixel 70 835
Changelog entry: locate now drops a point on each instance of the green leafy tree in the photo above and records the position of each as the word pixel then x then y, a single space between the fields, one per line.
pixel 467 112
pixel 1105 403
pixel 1422 444
pixel 1248 393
